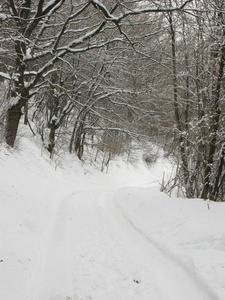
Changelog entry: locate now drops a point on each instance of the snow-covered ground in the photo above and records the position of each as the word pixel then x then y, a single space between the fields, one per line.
pixel 70 232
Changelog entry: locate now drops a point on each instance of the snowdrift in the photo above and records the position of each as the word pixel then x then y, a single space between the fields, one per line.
pixel 68 231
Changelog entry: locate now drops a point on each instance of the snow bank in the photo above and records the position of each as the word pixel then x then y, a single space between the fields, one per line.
pixel 68 231
pixel 190 232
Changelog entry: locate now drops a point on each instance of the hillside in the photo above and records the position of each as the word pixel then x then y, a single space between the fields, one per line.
pixel 69 231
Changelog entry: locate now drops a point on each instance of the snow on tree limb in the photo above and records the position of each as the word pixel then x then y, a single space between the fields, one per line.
pixel 108 16
pixel 5 75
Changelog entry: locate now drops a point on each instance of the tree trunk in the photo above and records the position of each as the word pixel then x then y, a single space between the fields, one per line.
pixel 79 140
pixel 219 178
pixel 177 114
pixel 207 185
pixel 13 116
pixel 12 122
pixel 26 114
pixel 51 144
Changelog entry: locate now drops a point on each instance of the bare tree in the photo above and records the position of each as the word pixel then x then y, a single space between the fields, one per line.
pixel 40 35
pixel 197 50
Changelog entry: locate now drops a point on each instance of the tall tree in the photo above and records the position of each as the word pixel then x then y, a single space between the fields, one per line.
pixel 197 50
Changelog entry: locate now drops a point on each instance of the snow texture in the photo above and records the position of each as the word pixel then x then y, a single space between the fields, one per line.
pixel 68 231
pixel 5 75
pixel 3 16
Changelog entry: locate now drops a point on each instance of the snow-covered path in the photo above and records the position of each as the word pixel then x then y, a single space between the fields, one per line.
pixel 53 272
pixel 94 251
pixel 74 233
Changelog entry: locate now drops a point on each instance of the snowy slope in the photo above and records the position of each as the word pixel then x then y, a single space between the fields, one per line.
pixel 68 231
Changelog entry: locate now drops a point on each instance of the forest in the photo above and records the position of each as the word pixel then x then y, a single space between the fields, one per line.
pixel 95 77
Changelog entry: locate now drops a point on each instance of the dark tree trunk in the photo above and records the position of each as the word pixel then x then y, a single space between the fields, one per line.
pixel 219 177
pixel 79 140
pixel 78 135
pixel 51 144
pixel 181 141
pixel 13 116
pixel 208 187
pixel 26 114
pixel 12 122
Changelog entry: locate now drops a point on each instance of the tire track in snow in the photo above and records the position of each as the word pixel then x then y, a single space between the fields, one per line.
pixel 94 251
pixel 176 280
pixel 52 279
pixel 105 264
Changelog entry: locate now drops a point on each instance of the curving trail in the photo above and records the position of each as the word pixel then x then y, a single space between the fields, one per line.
pixel 92 250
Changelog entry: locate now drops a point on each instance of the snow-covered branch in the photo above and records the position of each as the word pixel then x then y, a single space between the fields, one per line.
pixel 5 75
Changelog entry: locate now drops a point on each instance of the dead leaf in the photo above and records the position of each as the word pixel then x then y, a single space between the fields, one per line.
pixel 136 281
